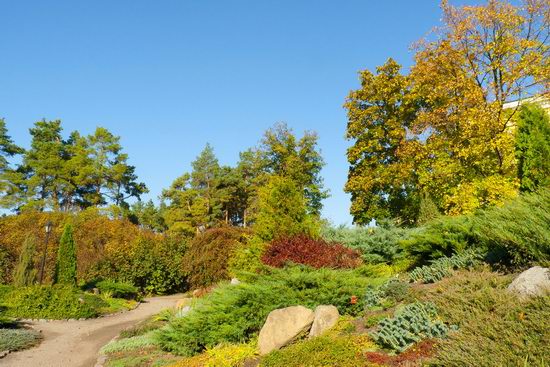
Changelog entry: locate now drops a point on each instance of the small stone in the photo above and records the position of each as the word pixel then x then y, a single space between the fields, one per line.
pixel 325 318
pixel 235 281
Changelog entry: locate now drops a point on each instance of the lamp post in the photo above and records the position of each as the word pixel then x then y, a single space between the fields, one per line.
pixel 48 229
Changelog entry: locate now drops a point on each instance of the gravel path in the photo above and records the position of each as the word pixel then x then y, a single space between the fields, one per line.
pixel 77 343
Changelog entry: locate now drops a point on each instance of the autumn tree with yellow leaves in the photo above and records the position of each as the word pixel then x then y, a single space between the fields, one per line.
pixel 442 132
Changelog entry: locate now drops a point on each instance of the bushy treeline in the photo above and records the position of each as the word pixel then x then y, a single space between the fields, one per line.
pixel 105 248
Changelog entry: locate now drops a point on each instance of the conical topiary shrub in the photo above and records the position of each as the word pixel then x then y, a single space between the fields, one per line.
pixel 65 268
pixel 25 272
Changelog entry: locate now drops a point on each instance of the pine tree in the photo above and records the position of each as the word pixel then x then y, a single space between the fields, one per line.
pixel 65 268
pixel 25 271
pixel 533 147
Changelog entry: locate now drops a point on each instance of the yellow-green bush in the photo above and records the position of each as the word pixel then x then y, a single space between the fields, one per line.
pixel 339 347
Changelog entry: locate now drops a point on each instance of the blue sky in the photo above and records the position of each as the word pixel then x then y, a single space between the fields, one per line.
pixel 170 76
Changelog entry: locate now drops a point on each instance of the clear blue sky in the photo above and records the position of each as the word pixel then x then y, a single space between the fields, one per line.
pixel 170 76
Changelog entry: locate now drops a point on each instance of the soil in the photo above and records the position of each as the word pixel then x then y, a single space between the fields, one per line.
pixel 77 343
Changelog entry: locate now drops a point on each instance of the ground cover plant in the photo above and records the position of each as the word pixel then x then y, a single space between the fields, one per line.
pixel 380 244
pixel 444 266
pixel 57 302
pixel 494 327
pixel 308 251
pixel 15 339
pixel 234 314
pixel 387 294
pixel 410 324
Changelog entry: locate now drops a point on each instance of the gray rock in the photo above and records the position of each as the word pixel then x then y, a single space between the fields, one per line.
pixel 532 282
pixel 235 281
pixel 325 318
pixel 283 326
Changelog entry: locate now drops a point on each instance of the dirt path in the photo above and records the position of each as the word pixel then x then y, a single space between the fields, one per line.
pixel 77 343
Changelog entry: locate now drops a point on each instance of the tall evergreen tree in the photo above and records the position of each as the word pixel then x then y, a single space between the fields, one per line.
pixel 65 268
pixel 7 147
pixel 112 178
pixel 533 147
pixel 9 177
pixel 297 159
pixel 194 199
pixel 25 271
pixel 44 164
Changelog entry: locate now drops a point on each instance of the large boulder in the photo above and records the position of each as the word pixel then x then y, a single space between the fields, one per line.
pixel 325 317
pixel 283 326
pixel 532 282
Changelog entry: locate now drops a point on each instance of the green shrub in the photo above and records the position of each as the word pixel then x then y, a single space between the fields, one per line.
pixel 495 329
pixel 442 237
pixel 247 258
pixel 516 233
pixel 18 339
pixel 519 231
pixel 533 147
pixel 234 314
pixel 411 324
pixel 443 267
pixel 50 302
pixel 25 271
pixel 118 290
pixel 381 244
pixel 206 260
pixel 65 267
pixel 152 265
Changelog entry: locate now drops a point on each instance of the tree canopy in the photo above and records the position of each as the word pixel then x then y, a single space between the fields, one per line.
pixel 66 175
pixel 443 130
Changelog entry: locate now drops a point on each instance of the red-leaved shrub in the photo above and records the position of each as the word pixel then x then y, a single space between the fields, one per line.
pixel 305 250
pixel 411 357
